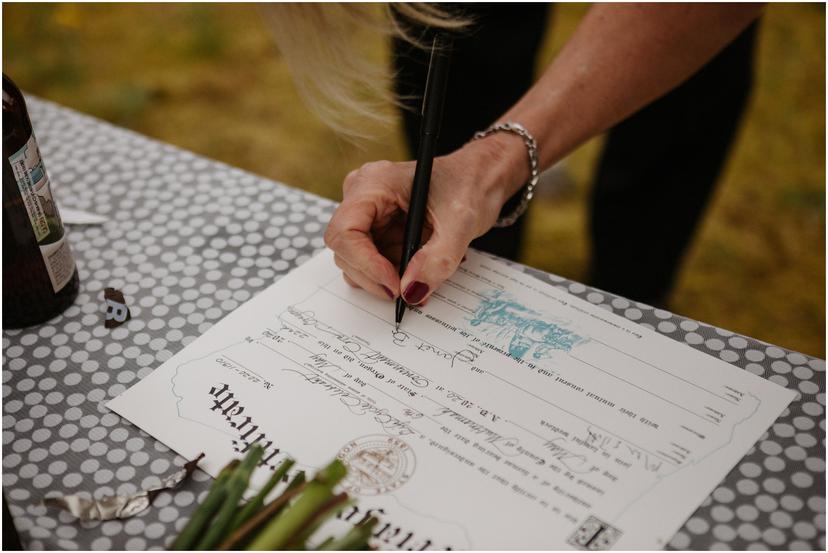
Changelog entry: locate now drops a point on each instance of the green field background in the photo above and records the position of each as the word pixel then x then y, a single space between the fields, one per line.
pixel 209 78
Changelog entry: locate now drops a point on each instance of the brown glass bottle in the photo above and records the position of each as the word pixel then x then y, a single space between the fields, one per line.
pixel 40 279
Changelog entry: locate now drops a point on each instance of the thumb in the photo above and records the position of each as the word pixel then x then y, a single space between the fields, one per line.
pixel 435 262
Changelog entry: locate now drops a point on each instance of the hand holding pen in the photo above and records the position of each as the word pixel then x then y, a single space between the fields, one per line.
pixel 465 193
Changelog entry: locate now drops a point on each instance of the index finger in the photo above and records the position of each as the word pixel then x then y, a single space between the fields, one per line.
pixel 349 236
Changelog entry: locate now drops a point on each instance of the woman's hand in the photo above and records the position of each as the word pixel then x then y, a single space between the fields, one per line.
pixel 468 189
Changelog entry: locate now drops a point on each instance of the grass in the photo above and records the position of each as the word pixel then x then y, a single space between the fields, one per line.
pixel 208 78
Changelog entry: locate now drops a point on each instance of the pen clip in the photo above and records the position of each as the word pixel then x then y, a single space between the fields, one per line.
pixel 429 75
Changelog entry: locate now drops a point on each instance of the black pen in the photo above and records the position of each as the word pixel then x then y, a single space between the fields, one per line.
pixel 432 115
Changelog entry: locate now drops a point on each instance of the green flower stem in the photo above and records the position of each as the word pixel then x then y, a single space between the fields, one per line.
pixel 297 481
pixel 204 513
pixel 270 510
pixel 235 486
pixel 312 524
pixel 316 493
pixel 255 504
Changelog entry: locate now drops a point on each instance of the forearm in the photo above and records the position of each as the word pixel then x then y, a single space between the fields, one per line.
pixel 620 58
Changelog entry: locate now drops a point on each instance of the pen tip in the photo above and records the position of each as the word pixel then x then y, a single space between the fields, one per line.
pixel 396 327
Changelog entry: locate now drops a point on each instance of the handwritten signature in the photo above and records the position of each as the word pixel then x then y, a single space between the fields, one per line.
pixel 403 339
pixel 359 348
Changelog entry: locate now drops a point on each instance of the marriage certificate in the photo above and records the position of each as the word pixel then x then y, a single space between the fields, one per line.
pixel 505 414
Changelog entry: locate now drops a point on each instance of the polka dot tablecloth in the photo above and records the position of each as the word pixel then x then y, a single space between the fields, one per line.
pixel 187 241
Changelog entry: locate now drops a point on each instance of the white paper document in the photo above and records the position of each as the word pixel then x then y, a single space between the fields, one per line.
pixel 506 414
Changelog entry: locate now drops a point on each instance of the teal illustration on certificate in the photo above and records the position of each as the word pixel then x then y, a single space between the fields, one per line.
pixel 505 414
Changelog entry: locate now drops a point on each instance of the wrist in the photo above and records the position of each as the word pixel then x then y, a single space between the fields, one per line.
pixel 499 165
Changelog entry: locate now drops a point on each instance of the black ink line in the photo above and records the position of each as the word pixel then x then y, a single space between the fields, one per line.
pixel 664 371
pixel 442 299
pixel 639 387
pixel 538 436
pixel 469 417
pixel 438 403
pixel 405 404
pixel 305 349
pixel 302 347
pixel 466 290
pixel 335 379
pixel 327 283
pixel 480 279
pixel 294 361
pixel 303 331
pixel 242 366
pixel 576 416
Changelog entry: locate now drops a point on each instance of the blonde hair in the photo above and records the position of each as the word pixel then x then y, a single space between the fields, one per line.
pixel 324 46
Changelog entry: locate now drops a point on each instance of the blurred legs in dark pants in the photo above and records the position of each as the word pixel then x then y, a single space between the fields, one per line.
pixel 657 172
pixel 658 167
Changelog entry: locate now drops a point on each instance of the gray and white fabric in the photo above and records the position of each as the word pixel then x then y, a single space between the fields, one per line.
pixel 187 241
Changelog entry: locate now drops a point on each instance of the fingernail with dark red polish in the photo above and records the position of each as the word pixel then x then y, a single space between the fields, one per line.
pixel 415 292
pixel 388 291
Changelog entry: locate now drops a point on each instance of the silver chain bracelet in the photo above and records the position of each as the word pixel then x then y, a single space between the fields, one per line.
pixel 532 150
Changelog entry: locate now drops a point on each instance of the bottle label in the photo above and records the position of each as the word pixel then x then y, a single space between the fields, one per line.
pixel 34 187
